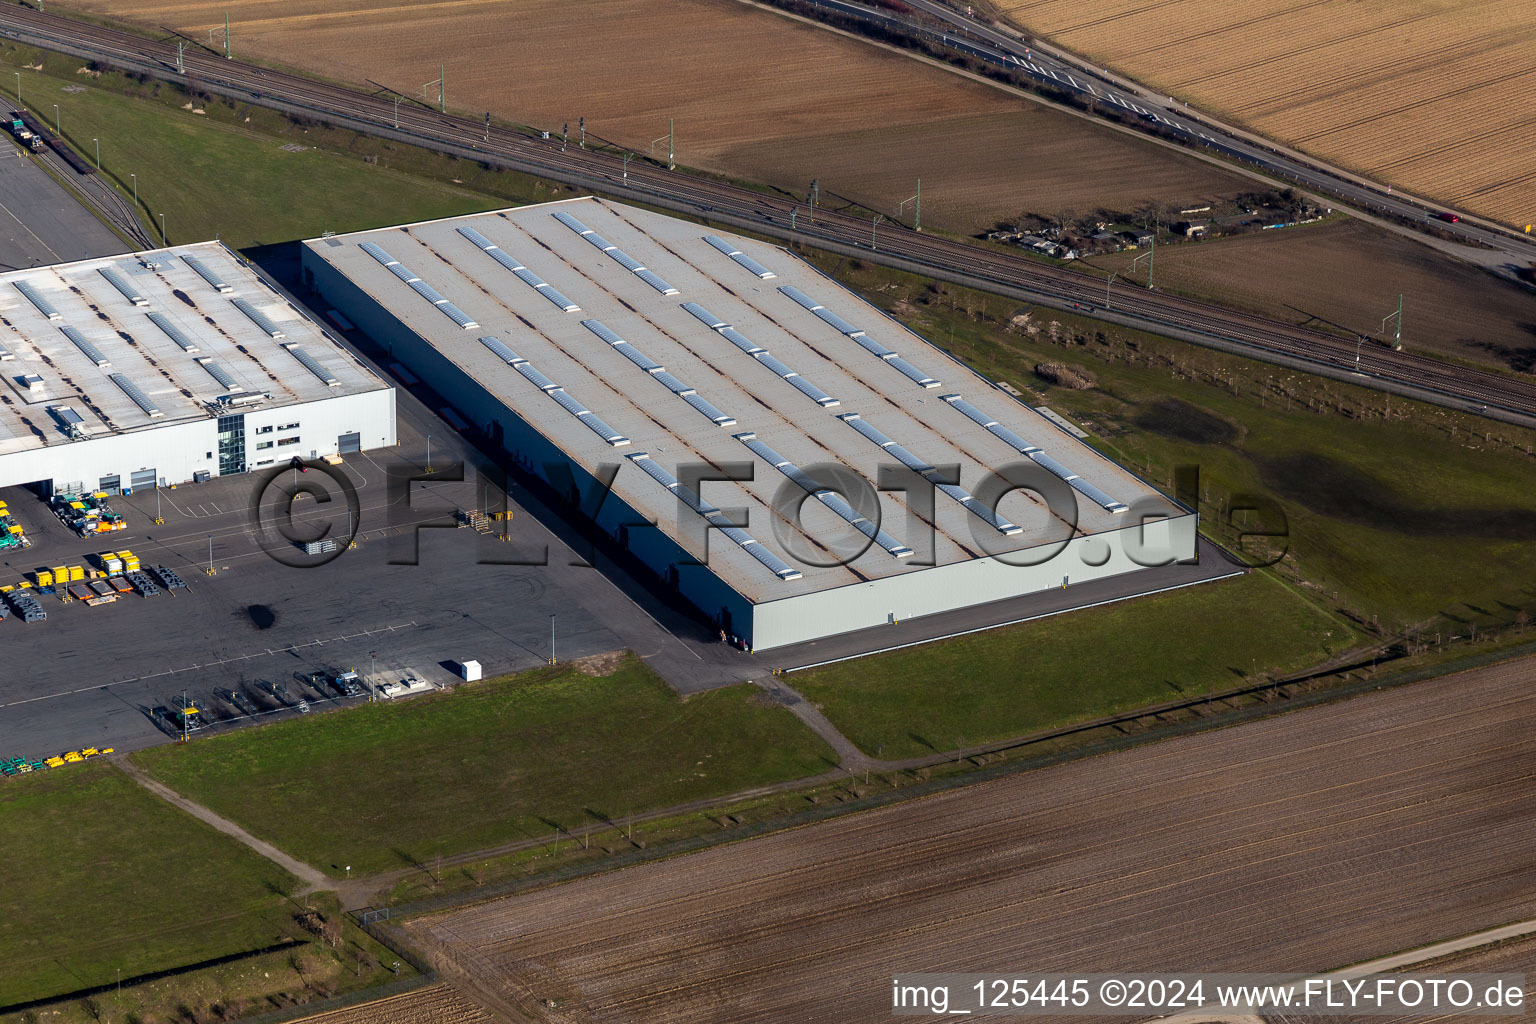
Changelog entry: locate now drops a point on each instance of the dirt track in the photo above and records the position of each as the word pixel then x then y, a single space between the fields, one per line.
pixel 1300 843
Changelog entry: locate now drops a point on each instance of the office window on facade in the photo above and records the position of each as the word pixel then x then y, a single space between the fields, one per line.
pixel 284 441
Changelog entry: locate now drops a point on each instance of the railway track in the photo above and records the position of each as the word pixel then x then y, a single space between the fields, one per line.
pixel 1497 396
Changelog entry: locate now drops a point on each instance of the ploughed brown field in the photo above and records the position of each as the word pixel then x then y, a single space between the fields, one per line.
pixel 1435 96
pixel 755 95
pixel 1299 843
pixel 435 1004
pixel 1350 274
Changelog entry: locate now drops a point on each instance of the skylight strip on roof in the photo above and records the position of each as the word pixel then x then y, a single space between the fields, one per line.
pixel 5 354
pixel 709 319
pixel 710 413
pixel 603 331
pixel 637 357
pixel 529 278
pixel 618 255
pixel 173 332
pixel 313 366
pixel 258 318
pixel 873 347
pixel 534 375
pixel 207 274
pixel 836 322
pixel 741 341
pixel 800 297
pixel 811 391
pixel 139 398
pixel 1020 445
pixel 926 470
pixel 826 496
pixel 457 315
pixel 970 411
pixel 36 298
pixel 116 281
pixel 741 258
pixel 84 345
pixel 217 373
pixel 654 280
pixel 505 354
pixel 913 373
pixel 1023 447
pixel 755 268
pixel 710 514
pixel 377 252
pixel 477 238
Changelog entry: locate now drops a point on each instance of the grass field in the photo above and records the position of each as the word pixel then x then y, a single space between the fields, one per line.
pixel 1071 668
pixel 100 878
pixel 212 177
pixel 490 764
pixel 809 104
pixel 1399 512
pixel 1350 274
pixel 1435 96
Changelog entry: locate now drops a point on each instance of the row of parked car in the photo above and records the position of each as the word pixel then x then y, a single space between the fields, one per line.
pixel 188 713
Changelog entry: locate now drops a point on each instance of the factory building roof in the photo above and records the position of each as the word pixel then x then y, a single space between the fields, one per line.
pixel 634 338
pixel 132 342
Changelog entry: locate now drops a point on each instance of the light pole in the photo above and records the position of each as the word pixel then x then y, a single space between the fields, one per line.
pixel 162 230
pixel 372 685
pixel 428 466
pixel 58 123
pixel 98 153
pixel 552 659
pixel 135 178
pixel 18 88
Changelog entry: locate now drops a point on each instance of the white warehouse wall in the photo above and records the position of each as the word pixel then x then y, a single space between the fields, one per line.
pixel 963 584
pixel 176 451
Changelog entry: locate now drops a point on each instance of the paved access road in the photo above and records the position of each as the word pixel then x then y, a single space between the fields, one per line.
pixel 1298 843
pixel 40 223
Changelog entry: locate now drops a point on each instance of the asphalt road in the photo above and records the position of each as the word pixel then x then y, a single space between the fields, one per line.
pixel 40 223
pixel 1298 843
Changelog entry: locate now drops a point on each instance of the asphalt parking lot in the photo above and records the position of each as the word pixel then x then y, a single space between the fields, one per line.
pixel 57 229
pixel 90 676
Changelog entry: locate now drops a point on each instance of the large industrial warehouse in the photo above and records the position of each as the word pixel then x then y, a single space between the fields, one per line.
pixel 170 366
pixel 597 342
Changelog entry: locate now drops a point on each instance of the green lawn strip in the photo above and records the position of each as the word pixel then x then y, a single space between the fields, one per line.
pixel 219 174
pixel 1410 514
pixel 100 877
pixel 1071 668
pixel 388 786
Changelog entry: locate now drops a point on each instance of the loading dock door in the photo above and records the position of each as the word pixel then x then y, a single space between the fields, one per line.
pixel 110 484
pixel 349 443
pixel 143 478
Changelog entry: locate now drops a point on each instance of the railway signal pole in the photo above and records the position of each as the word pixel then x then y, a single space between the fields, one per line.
pixel 917 208
pixel 1397 320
